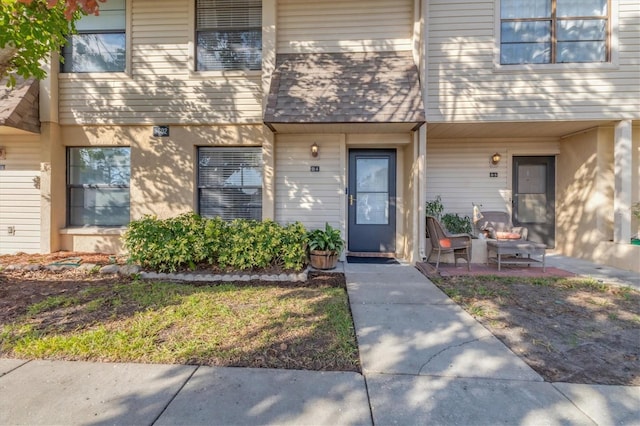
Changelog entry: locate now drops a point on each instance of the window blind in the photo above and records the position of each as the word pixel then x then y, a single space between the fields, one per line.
pixel 229 14
pixel 229 34
pixel 230 183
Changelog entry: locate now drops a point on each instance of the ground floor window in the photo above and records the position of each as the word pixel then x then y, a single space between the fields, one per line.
pixel 98 186
pixel 230 182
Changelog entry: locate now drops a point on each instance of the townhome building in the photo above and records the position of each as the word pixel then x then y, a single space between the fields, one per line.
pixel 352 113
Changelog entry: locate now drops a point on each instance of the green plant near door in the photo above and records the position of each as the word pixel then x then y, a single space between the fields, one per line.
pixel 325 246
pixel 457 224
pixel 434 208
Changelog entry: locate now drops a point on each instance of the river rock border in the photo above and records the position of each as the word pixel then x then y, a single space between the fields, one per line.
pixel 128 270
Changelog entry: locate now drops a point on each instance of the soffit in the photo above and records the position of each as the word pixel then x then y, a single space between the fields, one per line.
pixel 511 130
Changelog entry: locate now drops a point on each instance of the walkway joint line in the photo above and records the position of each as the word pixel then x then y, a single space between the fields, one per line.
pixel 175 395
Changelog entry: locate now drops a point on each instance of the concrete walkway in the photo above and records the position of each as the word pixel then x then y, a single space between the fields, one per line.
pixel 425 361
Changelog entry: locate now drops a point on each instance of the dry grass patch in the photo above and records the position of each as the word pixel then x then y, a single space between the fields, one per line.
pixel 567 329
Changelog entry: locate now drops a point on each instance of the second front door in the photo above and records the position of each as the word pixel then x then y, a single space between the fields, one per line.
pixel 372 200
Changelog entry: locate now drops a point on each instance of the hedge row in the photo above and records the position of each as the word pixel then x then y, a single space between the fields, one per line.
pixel 185 241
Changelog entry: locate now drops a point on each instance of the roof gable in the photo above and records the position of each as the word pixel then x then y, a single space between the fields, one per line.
pixel 371 87
pixel 19 105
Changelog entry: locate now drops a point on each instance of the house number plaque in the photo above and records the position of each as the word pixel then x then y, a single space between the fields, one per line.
pixel 160 131
pixel 315 168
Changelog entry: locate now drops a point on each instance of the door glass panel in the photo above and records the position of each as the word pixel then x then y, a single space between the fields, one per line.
pixel 372 174
pixel 532 208
pixel 372 191
pixel 532 198
pixel 372 208
pixel 532 179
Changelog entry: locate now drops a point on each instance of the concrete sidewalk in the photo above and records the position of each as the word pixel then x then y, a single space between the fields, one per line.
pixel 425 361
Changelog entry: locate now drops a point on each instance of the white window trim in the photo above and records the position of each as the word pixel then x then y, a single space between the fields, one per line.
pixel 126 74
pixel 613 64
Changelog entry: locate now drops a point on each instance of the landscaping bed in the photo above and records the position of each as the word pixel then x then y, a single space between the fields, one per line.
pixel 567 329
pixel 79 315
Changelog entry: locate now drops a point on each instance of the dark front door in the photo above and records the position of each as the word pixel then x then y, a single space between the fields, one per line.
pixel 372 200
pixel 534 192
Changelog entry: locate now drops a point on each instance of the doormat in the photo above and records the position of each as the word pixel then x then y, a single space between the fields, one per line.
pixel 376 260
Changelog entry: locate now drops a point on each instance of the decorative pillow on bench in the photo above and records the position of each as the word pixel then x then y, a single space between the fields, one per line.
pixel 507 236
pixel 491 232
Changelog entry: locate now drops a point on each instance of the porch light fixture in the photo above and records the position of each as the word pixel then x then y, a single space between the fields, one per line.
pixel 495 159
pixel 3 153
pixel 315 149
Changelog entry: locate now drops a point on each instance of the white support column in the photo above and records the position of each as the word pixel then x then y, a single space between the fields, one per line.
pixel 422 190
pixel 622 152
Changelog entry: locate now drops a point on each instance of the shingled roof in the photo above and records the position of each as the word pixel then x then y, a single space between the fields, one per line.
pixel 372 87
pixel 19 105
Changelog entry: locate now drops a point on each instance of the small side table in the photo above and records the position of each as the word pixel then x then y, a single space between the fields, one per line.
pixel 513 252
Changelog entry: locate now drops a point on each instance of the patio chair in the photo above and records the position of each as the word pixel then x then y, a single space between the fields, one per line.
pixel 497 225
pixel 444 242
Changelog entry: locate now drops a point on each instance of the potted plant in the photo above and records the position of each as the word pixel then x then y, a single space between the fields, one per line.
pixel 325 246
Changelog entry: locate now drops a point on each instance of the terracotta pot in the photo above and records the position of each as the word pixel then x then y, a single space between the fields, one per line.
pixel 323 259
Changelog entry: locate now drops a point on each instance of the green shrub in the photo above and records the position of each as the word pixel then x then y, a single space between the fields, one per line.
pixel 456 224
pixel 188 240
pixel 168 244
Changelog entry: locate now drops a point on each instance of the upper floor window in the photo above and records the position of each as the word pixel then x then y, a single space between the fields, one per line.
pixel 554 31
pixel 228 35
pixel 100 44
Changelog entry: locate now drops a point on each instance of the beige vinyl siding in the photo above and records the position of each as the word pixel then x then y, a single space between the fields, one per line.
pixel 159 87
pixel 378 140
pixel 312 198
pixel 338 26
pixel 465 84
pixel 22 152
pixel 19 208
pixel 458 171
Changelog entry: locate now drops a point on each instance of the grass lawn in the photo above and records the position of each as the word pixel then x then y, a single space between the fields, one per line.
pixel 121 320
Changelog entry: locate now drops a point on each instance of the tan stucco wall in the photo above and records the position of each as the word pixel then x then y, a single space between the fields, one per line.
pixel 52 187
pixel 585 191
pixel 407 204
pixel 94 241
pixel 584 208
pixel 163 173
